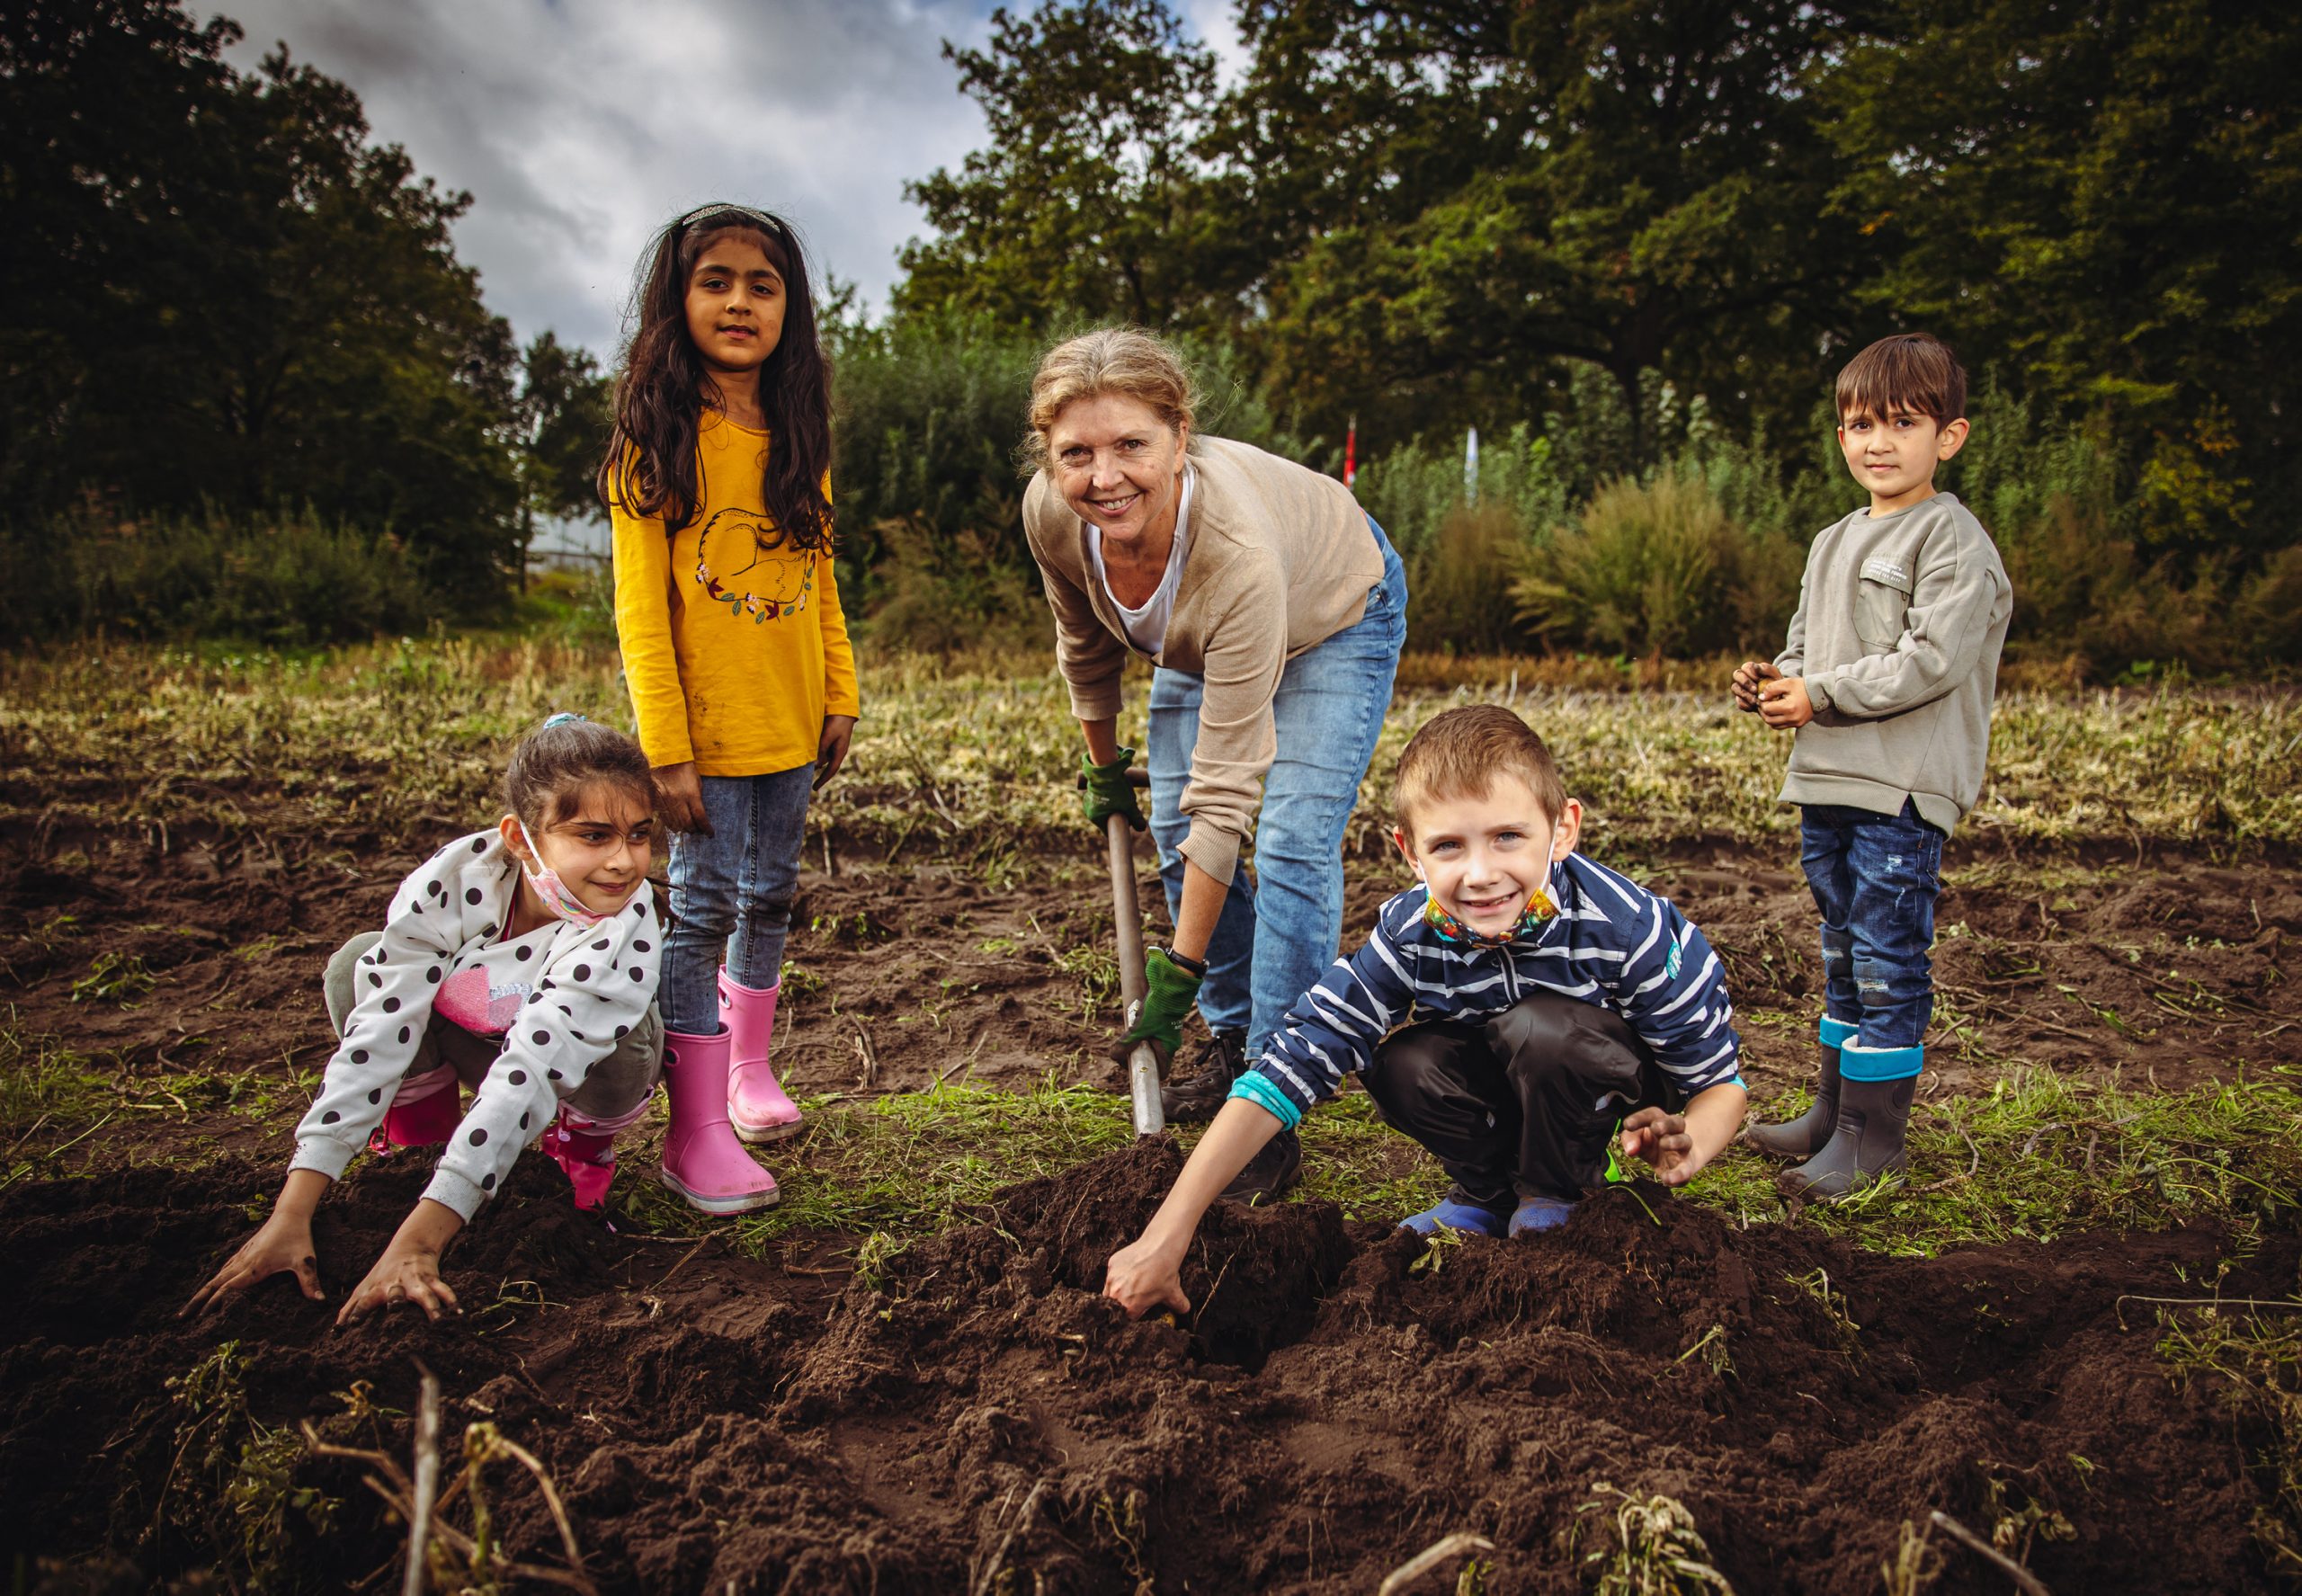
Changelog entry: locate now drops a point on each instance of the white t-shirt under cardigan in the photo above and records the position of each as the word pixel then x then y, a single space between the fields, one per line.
pixel 561 998
pixel 1146 624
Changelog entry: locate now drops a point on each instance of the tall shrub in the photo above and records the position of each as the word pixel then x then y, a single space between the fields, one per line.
pixel 1645 571
pixel 1413 488
pixel 286 581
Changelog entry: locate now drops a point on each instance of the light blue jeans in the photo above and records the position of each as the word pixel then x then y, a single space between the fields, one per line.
pixel 1278 932
pixel 732 891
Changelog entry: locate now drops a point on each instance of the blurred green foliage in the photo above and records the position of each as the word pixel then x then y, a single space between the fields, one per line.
pixel 1632 244
pixel 226 313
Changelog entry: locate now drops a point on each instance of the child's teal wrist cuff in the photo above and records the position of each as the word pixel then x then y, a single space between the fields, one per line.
pixel 1859 1063
pixel 1258 1090
pixel 1837 1033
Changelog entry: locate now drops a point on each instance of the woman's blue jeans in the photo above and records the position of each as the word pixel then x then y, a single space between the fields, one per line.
pixel 732 891
pixel 1278 932
pixel 1875 879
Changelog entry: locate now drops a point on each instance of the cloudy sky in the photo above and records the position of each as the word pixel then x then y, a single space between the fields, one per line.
pixel 579 126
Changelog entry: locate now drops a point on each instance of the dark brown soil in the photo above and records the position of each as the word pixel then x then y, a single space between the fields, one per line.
pixel 2170 971
pixel 972 1417
pixel 978 1418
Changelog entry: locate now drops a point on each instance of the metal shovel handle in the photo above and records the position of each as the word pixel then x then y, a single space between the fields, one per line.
pixel 1142 1059
pixel 1127 914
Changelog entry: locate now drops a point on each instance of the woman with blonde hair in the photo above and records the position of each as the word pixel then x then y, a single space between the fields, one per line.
pixel 1273 610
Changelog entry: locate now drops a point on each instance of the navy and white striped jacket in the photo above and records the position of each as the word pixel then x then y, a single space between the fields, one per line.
pixel 1613 942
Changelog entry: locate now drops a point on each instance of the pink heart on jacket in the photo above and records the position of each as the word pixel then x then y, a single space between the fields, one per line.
pixel 466 998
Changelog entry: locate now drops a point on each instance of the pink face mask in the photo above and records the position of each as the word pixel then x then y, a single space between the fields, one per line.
pixel 552 890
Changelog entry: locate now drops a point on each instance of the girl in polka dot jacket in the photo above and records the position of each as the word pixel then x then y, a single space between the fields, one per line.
pixel 519 962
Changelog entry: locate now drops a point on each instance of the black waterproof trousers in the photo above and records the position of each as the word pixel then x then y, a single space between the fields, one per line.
pixel 1521 1105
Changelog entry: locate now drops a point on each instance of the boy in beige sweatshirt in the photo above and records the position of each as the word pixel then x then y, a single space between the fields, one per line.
pixel 1887 678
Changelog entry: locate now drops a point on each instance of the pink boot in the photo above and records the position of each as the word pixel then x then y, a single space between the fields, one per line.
pixel 587 1154
pixel 757 1106
pixel 702 1160
pixel 425 1111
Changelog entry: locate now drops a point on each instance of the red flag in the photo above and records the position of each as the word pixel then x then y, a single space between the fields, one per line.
pixel 1350 452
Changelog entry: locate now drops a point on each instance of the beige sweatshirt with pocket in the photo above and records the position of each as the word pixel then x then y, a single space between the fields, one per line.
pixel 1282 557
pixel 1900 621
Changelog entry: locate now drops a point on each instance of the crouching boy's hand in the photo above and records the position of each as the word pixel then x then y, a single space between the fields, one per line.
pixel 1144 1275
pixel 1678 1145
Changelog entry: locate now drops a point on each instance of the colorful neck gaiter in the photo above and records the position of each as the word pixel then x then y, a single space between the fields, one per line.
pixel 1452 932
pixel 553 891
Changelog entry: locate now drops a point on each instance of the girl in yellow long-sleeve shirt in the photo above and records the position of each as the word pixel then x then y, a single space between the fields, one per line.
pixel 716 481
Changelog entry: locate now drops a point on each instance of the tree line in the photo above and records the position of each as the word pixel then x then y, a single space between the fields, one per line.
pixel 1629 242
pixel 242 376
pixel 1432 215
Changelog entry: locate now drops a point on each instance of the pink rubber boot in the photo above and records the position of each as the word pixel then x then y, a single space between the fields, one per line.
pixel 702 1160
pixel 585 1149
pixel 757 1106
pixel 425 1111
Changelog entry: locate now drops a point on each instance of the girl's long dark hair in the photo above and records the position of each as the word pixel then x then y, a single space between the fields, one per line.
pixel 651 468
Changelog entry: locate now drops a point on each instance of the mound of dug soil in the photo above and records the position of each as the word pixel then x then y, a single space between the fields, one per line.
pixel 972 1416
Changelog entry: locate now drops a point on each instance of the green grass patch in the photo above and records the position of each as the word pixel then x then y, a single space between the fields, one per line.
pixel 43 1082
pixel 1354 1160
pixel 904 1165
pixel 113 978
pixel 2039 1156
pixel 53 1098
pixel 893 1169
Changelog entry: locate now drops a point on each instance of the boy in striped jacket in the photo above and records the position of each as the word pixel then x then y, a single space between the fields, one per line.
pixel 1516 1012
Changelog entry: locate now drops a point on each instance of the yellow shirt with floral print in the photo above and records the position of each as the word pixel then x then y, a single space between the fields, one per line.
pixel 734 645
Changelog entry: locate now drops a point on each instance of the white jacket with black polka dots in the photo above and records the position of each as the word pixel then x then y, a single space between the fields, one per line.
pixel 563 995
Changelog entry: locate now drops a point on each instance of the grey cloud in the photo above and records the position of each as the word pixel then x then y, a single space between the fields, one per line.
pixel 580 127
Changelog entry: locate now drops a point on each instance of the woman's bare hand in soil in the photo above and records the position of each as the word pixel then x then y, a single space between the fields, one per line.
pixel 407 1272
pixel 1663 1141
pixel 283 1247
pixel 679 799
pixel 1143 1275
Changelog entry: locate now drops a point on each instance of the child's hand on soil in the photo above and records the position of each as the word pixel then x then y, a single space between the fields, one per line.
pixel 1750 676
pixel 831 752
pixel 409 1272
pixel 282 1246
pixel 1662 1140
pixel 1783 703
pixel 679 799
pixel 1143 1275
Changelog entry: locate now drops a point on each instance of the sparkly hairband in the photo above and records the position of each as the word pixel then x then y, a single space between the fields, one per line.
pixel 761 216
pixel 563 718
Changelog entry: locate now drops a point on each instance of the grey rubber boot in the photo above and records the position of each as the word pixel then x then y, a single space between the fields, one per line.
pixel 1804 1136
pixel 1866 1145
pixel 1194 1099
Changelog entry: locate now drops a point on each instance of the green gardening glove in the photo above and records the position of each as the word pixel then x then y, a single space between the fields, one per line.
pixel 1106 791
pixel 1169 990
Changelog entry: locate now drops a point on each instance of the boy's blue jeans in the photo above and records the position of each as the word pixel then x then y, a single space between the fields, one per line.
pixel 1278 933
pixel 1875 879
pixel 732 891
